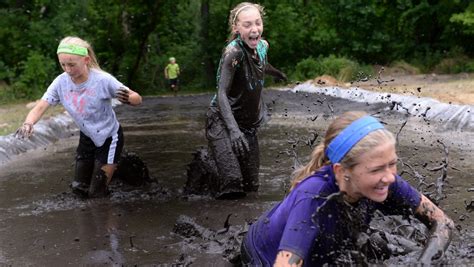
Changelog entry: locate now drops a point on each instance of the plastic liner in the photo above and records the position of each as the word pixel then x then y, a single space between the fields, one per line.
pixel 450 116
pixel 45 132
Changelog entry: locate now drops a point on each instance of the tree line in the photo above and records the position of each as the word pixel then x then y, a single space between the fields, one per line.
pixel 134 39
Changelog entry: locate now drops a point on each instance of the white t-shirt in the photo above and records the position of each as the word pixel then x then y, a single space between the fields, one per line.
pixel 88 103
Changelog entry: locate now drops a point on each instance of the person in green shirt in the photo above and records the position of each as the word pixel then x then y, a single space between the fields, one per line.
pixel 172 73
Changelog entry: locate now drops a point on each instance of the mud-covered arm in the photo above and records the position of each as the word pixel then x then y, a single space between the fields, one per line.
pixel 231 59
pixel 276 73
pixel 441 228
pixel 37 112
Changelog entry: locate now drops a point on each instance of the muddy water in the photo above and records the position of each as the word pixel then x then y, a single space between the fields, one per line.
pixel 41 223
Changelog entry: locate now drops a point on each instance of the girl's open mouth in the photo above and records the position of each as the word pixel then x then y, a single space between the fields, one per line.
pixel 253 41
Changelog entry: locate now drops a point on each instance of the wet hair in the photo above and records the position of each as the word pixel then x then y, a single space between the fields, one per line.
pixel 93 64
pixel 234 14
pixel 319 157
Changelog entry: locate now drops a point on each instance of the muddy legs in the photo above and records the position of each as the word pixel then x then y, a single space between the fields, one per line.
pixel 228 181
pixel 250 165
pixel 98 186
pixel 89 179
pixel 219 172
pixel 82 175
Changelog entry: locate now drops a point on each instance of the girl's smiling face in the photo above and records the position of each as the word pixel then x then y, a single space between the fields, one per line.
pixel 372 177
pixel 75 66
pixel 249 25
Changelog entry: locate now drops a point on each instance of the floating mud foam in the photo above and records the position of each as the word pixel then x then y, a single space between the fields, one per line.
pixel 452 116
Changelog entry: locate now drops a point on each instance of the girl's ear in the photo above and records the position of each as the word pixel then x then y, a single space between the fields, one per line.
pixel 87 59
pixel 339 171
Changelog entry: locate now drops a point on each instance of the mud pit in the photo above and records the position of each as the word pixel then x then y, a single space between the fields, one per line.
pixel 42 223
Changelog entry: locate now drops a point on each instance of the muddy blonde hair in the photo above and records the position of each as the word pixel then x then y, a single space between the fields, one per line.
pixel 93 64
pixel 319 158
pixel 234 14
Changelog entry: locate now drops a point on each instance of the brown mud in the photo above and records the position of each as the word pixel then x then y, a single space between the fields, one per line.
pixel 42 223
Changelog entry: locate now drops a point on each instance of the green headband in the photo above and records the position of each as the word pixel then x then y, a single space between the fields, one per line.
pixel 72 49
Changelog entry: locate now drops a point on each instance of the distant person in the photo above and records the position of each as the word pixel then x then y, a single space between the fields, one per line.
pixel 172 74
pixel 355 166
pixel 86 92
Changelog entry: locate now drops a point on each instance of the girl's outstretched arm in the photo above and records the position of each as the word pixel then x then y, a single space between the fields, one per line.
pixel 276 73
pixel 26 130
pixel 287 259
pixel 441 230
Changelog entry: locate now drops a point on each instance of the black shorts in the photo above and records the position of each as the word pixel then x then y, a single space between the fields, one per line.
pixel 108 153
pixel 173 81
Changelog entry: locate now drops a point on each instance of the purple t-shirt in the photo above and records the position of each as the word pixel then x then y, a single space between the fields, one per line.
pixel 307 222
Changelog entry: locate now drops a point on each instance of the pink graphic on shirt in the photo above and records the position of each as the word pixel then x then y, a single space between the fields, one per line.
pixel 78 100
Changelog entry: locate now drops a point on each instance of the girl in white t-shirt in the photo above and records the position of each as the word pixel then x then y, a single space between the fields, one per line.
pixel 86 92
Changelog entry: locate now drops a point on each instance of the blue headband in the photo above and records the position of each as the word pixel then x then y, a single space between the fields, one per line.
pixel 350 136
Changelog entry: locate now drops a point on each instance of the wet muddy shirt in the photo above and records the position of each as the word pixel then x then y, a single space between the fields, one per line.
pixel 313 226
pixel 88 103
pixel 241 75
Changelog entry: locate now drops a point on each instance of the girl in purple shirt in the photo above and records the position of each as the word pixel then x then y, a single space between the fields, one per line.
pixel 354 168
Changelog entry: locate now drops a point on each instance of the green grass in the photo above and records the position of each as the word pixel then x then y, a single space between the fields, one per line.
pixel 13 115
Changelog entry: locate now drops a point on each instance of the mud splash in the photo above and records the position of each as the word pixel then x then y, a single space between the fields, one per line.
pixel 40 216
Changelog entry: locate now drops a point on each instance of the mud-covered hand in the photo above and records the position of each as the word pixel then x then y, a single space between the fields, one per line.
pixel 441 234
pixel 239 143
pixel 441 231
pixel 280 77
pixel 25 131
pixel 433 253
pixel 123 95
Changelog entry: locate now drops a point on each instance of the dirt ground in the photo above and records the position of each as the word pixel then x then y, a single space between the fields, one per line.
pixel 456 89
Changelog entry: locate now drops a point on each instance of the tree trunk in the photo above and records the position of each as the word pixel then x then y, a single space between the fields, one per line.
pixel 143 42
pixel 208 63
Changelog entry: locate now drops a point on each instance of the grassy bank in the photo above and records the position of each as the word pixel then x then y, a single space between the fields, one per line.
pixel 13 115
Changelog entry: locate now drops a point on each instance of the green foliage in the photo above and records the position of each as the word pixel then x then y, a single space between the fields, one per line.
pixel 403 67
pixel 133 39
pixel 6 94
pixel 465 19
pixel 454 65
pixel 341 68
pixel 306 69
pixel 36 71
pixel 5 72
